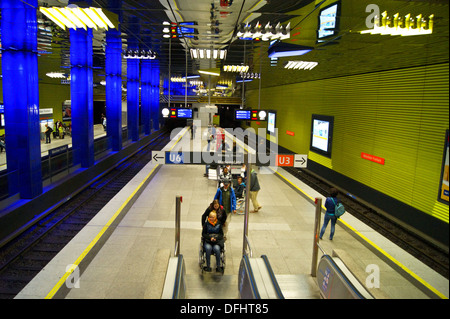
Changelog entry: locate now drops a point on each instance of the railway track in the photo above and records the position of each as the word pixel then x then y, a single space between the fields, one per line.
pixel 25 256
pixel 425 251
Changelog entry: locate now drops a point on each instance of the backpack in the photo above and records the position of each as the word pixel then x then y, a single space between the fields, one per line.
pixel 339 208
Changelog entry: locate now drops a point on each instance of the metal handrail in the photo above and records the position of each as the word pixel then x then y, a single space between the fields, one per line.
pixel 272 277
pixel 247 243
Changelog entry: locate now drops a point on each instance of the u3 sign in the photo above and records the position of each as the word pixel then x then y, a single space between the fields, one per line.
pixel 295 160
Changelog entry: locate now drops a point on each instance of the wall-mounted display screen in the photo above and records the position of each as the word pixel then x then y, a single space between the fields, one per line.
pixel 328 21
pixel 444 182
pixel 322 134
pixel 177 113
pixel 252 115
pixel 271 117
pixel 242 114
pixel 184 113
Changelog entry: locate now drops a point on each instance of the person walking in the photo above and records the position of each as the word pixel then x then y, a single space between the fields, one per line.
pixel 254 189
pixel 330 204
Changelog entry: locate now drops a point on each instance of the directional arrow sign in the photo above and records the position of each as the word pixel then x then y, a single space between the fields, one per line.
pixel 300 160
pixel 158 157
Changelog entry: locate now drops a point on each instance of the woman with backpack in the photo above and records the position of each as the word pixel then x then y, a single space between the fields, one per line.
pixel 330 204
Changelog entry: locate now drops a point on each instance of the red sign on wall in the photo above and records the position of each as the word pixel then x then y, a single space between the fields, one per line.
pixel 285 160
pixel 373 158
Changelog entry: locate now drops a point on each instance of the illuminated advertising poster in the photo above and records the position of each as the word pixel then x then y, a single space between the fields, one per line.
pixel 320 134
pixel 444 187
pixel 271 123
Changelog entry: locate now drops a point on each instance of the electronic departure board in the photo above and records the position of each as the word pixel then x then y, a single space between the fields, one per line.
pixel 242 115
pixel 250 115
pixel 177 113
pixel 184 113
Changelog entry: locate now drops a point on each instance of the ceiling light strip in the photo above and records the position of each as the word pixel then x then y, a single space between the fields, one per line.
pixel 74 17
pixel 301 65
pixel 208 54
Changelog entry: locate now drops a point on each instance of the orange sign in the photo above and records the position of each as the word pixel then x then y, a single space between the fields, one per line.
pixel 285 160
pixel 290 133
pixel 373 158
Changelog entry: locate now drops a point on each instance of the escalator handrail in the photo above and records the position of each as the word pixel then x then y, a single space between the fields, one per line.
pixel 251 277
pixel 349 283
pixel 178 278
pixel 272 277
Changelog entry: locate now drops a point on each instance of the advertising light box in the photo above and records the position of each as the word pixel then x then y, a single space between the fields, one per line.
pixel 321 134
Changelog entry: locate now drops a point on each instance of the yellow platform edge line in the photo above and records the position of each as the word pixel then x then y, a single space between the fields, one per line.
pixel 375 246
pixel 66 275
pixel 404 268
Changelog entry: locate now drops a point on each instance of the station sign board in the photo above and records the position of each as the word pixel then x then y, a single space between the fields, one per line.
pixel 204 158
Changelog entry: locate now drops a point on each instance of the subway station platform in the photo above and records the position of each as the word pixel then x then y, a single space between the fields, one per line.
pixel 123 252
pixel 55 142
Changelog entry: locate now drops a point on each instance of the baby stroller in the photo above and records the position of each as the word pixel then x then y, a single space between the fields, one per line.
pixel 240 204
pixel 202 257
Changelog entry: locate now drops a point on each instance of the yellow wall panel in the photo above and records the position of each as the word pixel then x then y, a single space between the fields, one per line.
pixel 400 115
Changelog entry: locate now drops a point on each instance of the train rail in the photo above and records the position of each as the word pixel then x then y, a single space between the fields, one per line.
pixel 427 252
pixel 26 255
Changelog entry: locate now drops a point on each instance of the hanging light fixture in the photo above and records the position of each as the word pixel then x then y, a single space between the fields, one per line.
pixel 300 65
pixel 208 54
pixel 74 17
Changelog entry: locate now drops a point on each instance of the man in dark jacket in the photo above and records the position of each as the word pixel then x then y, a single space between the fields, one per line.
pixel 254 189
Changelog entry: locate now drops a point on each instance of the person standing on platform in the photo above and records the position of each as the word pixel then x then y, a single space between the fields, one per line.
pixel 61 130
pixel 227 199
pixel 48 132
pixel 330 203
pixel 254 189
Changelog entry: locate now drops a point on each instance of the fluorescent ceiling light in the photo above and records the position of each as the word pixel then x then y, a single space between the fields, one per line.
pixel 208 54
pixel 301 65
pixel 56 75
pixel 236 68
pixel 214 72
pixel 406 26
pixel 74 17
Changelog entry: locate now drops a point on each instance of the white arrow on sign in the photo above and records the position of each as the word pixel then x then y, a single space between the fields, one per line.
pixel 158 157
pixel 300 160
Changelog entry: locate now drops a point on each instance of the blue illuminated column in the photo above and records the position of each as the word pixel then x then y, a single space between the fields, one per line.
pixel 133 84
pixel 113 66
pixel 82 95
pixel 113 69
pixel 154 109
pixel 21 96
pixel 146 94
